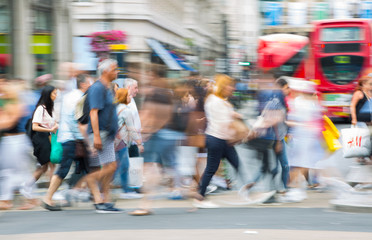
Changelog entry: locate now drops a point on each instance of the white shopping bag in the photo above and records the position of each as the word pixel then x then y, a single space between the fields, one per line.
pixel 356 142
pixel 135 172
pixel 186 160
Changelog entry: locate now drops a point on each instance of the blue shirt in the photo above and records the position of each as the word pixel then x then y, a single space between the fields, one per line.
pixel 263 98
pixel 99 97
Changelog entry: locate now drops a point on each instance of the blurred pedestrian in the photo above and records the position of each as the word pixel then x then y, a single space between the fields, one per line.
pixel 43 124
pixel 14 147
pixel 132 86
pixel 280 148
pixel 68 135
pixel 305 149
pixel 220 115
pixel 102 128
pixel 360 106
pixel 127 134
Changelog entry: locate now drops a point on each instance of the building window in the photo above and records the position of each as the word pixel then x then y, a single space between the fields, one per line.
pixel 5 37
pixel 43 21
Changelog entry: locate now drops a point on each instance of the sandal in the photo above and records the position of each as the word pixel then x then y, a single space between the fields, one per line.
pixel 5 206
pixel 141 212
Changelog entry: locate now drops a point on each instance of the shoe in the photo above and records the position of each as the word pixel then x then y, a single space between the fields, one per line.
pixel 175 195
pixel 51 207
pixel 244 191
pixel 106 208
pixel 204 204
pixel 130 195
pixel 26 191
pixel 293 195
pixel 59 196
pixel 210 189
pixel 141 212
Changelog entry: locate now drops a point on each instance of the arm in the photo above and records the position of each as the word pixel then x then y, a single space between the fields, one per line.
pixel 357 96
pixel 95 127
pixel 9 115
pixel 37 128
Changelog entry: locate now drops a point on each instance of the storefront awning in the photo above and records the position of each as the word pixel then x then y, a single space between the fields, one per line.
pixel 182 63
pixel 163 54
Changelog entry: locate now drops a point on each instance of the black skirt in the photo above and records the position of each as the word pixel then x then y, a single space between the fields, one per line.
pixel 42 147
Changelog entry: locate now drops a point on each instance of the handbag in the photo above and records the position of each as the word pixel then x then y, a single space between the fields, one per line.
pixel 80 149
pixel 241 131
pixel 356 142
pixel 56 150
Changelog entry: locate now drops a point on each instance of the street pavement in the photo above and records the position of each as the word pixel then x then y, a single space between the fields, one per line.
pixel 176 219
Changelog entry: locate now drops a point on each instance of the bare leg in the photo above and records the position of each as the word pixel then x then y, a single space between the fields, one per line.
pixel 40 171
pixel 107 172
pixel 92 181
pixel 55 182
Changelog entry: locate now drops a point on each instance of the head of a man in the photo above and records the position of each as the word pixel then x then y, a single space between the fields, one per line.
pixel 108 70
pixel 284 86
pixel 132 86
pixel 83 82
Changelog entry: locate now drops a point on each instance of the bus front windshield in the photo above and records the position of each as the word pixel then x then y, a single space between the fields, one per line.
pixel 341 69
pixel 290 67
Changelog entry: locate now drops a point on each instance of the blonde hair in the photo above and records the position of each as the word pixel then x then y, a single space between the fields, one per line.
pixel 122 96
pixel 222 81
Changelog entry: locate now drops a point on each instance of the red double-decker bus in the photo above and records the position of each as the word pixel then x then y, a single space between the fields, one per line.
pixel 283 54
pixel 340 54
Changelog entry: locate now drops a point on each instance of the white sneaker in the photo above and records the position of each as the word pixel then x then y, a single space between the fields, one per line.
pixel 293 195
pixel 210 189
pixel 59 196
pixel 27 192
pixel 130 195
pixel 204 204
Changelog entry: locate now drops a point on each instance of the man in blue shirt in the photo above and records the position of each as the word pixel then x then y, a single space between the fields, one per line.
pixel 102 128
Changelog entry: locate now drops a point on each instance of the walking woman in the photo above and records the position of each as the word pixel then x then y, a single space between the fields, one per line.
pixel 126 135
pixel 361 105
pixel 220 115
pixel 43 124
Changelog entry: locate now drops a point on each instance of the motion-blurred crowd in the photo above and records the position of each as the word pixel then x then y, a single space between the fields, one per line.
pixel 101 126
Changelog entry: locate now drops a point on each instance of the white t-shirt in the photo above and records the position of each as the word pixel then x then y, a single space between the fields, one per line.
pixel 68 129
pixel 219 117
pixel 43 118
pixel 137 121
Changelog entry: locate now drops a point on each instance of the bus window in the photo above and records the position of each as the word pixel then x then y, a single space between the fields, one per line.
pixel 343 69
pixel 290 67
pixel 341 34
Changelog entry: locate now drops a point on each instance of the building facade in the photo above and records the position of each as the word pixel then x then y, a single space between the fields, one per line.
pixel 191 30
pixel 35 37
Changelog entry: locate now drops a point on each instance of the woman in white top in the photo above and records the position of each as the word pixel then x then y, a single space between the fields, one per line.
pixel 220 115
pixel 127 134
pixel 43 123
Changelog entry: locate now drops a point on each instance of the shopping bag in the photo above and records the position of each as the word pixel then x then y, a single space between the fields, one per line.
pixel 331 141
pixel 330 127
pixel 56 149
pixel 331 135
pixel 356 142
pixel 135 172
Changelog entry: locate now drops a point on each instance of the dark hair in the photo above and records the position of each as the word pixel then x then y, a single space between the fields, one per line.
pixel 46 100
pixel 281 82
pixel 81 78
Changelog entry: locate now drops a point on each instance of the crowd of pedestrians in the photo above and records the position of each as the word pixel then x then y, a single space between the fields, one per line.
pixel 99 128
